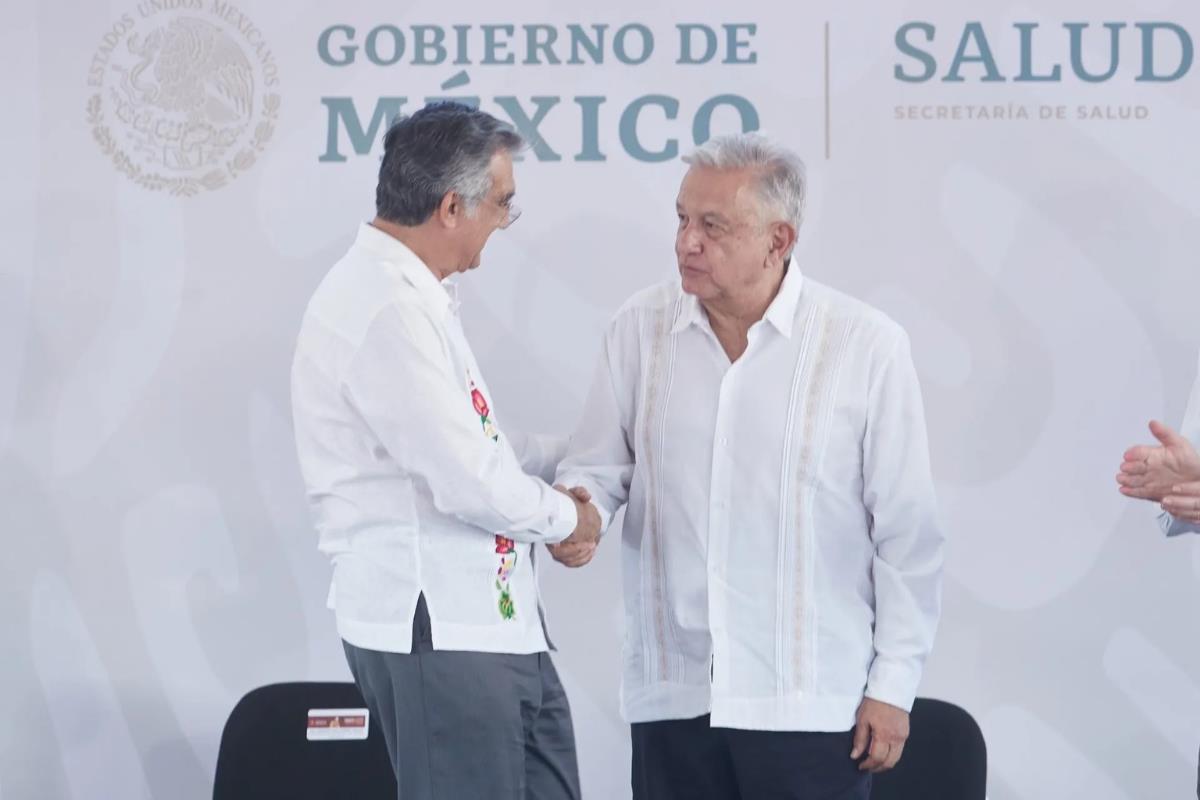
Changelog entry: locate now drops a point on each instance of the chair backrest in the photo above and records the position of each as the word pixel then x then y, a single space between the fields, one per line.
pixel 945 757
pixel 266 752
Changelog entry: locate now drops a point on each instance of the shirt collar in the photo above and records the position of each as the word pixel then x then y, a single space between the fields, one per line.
pixel 690 313
pixel 782 311
pixel 781 314
pixel 402 263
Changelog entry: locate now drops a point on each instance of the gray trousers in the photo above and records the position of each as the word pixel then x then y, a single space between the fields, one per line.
pixel 463 725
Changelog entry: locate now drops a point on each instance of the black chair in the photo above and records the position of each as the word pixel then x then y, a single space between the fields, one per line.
pixel 265 752
pixel 945 757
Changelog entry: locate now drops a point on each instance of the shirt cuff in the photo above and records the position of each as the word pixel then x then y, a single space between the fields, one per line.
pixel 571 480
pixel 893 683
pixel 563 519
pixel 1174 527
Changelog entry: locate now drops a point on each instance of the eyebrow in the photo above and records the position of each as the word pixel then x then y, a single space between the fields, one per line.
pixel 711 216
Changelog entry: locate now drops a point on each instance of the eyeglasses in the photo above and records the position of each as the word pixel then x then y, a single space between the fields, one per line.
pixel 511 214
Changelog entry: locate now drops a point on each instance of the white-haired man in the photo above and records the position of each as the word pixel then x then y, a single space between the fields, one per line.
pixel 782 557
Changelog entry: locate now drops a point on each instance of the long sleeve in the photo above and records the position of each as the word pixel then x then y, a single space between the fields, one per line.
pixel 1191 430
pixel 907 567
pixel 400 382
pixel 539 453
pixel 600 457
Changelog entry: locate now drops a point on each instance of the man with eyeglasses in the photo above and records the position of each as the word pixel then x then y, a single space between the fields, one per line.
pixel 427 504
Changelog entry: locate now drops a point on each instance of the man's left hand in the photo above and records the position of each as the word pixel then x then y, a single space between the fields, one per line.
pixel 879 734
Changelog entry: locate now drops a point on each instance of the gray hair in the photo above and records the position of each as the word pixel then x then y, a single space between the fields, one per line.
pixel 444 147
pixel 782 178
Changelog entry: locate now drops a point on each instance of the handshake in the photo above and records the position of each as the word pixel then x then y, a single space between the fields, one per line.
pixel 578 548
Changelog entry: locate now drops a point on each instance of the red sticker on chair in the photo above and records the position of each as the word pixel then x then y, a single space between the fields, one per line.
pixel 337 724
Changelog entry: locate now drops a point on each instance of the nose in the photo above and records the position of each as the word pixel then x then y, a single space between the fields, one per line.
pixel 688 239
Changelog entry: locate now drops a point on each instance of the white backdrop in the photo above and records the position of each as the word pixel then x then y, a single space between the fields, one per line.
pixel 158 559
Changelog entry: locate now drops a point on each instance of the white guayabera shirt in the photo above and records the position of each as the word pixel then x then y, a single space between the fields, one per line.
pixel 781 550
pixel 413 484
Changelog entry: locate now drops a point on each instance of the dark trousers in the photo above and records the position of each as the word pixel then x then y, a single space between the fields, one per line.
pixel 689 760
pixel 464 725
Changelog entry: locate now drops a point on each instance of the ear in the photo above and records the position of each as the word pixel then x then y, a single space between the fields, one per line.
pixel 450 211
pixel 782 240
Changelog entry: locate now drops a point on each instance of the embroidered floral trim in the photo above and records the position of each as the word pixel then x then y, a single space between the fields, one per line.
pixel 505 548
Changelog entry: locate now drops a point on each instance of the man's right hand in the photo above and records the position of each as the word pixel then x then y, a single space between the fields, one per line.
pixel 1150 472
pixel 578 548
